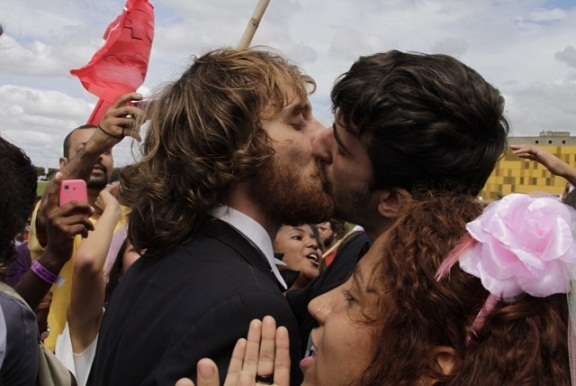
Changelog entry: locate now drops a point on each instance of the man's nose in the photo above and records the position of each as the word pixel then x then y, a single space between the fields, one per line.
pixel 321 144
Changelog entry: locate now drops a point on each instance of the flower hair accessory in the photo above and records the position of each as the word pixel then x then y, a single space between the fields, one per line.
pixel 523 244
pixel 520 244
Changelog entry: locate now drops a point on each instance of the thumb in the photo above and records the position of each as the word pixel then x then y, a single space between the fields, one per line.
pixel 207 373
pixel 184 382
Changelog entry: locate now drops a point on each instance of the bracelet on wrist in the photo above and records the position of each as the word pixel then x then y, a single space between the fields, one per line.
pixel 44 273
pixel 121 136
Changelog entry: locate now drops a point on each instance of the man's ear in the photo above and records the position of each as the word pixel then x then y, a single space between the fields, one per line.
pixel 391 202
pixel 63 161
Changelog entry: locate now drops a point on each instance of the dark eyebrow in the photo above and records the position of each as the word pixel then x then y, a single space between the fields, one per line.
pixel 339 140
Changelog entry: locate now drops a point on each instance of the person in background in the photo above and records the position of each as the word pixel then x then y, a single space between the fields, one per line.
pixel 87 154
pixel 330 232
pixel 76 346
pixel 19 336
pixel 299 248
pixel 555 165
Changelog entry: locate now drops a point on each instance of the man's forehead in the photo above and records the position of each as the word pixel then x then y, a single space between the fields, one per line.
pixel 80 136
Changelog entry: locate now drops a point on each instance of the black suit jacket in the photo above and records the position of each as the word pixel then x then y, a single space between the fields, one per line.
pixel 190 302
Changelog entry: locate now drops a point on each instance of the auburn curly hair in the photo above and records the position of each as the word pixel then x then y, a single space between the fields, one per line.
pixel 521 343
pixel 205 135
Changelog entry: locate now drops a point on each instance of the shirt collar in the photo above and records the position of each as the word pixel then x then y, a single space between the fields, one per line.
pixel 253 231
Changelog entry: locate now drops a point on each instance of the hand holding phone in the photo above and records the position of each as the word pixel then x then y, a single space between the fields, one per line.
pixel 73 190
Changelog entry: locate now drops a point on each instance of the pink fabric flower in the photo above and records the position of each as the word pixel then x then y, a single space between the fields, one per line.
pixel 524 244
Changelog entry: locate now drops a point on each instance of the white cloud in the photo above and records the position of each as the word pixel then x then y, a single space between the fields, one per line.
pixel 546 15
pixel 35 59
pixel 38 121
pixel 451 46
pixel 542 106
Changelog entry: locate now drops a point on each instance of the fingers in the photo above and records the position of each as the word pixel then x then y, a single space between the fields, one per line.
pixel 266 359
pixel 236 361
pixel 282 360
pixel 207 373
pixel 133 96
pixel 52 196
pixel 265 353
pixel 124 118
pixel 252 348
pixel 184 382
pixel 73 207
pixel 76 229
pixel 72 219
pixel 114 188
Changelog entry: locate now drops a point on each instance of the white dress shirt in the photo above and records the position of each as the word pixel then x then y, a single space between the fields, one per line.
pixel 253 232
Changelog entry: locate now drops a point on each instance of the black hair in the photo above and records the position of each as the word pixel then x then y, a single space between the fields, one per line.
pixel 17 196
pixel 428 122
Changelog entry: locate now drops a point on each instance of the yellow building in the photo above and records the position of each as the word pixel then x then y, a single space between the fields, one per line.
pixel 515 175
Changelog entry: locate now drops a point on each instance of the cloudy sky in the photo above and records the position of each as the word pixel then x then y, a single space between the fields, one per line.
pixel 526 48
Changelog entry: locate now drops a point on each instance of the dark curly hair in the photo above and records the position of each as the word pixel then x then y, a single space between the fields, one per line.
pixel 17 197
pixel 205 135
pixel 428 122
pixel 521 343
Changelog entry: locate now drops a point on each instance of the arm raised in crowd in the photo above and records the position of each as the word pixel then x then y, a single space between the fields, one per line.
pixel 89 284
pixel 62 225
pixel 123 119
pixel 554 164
pixel 265 354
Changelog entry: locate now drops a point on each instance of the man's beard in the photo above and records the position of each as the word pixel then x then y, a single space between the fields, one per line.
pixel 289 197
pixel 353 207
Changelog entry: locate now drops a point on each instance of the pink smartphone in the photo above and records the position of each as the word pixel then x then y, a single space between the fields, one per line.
pixel 73 190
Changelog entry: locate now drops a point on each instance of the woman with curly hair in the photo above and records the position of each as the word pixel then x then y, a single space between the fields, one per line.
pixel 450 295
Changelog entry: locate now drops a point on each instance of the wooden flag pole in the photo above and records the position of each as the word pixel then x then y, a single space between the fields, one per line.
pixel 253 24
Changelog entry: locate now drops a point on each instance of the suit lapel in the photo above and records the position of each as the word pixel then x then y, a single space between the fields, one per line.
pixel 245 248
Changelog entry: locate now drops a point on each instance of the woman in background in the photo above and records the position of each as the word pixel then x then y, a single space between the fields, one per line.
pixel 91 287
pixel 299 249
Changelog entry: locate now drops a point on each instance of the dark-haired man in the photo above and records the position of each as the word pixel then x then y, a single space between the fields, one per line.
pixel 406 125
pixel 102 168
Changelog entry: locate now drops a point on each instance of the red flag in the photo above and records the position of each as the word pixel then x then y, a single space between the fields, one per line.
pixel 120 66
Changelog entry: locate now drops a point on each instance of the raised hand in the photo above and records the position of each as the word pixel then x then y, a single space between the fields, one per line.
pixel 107 198
pixel 261 359
pixel 124 118
pixel 64 223
pixel 554 164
